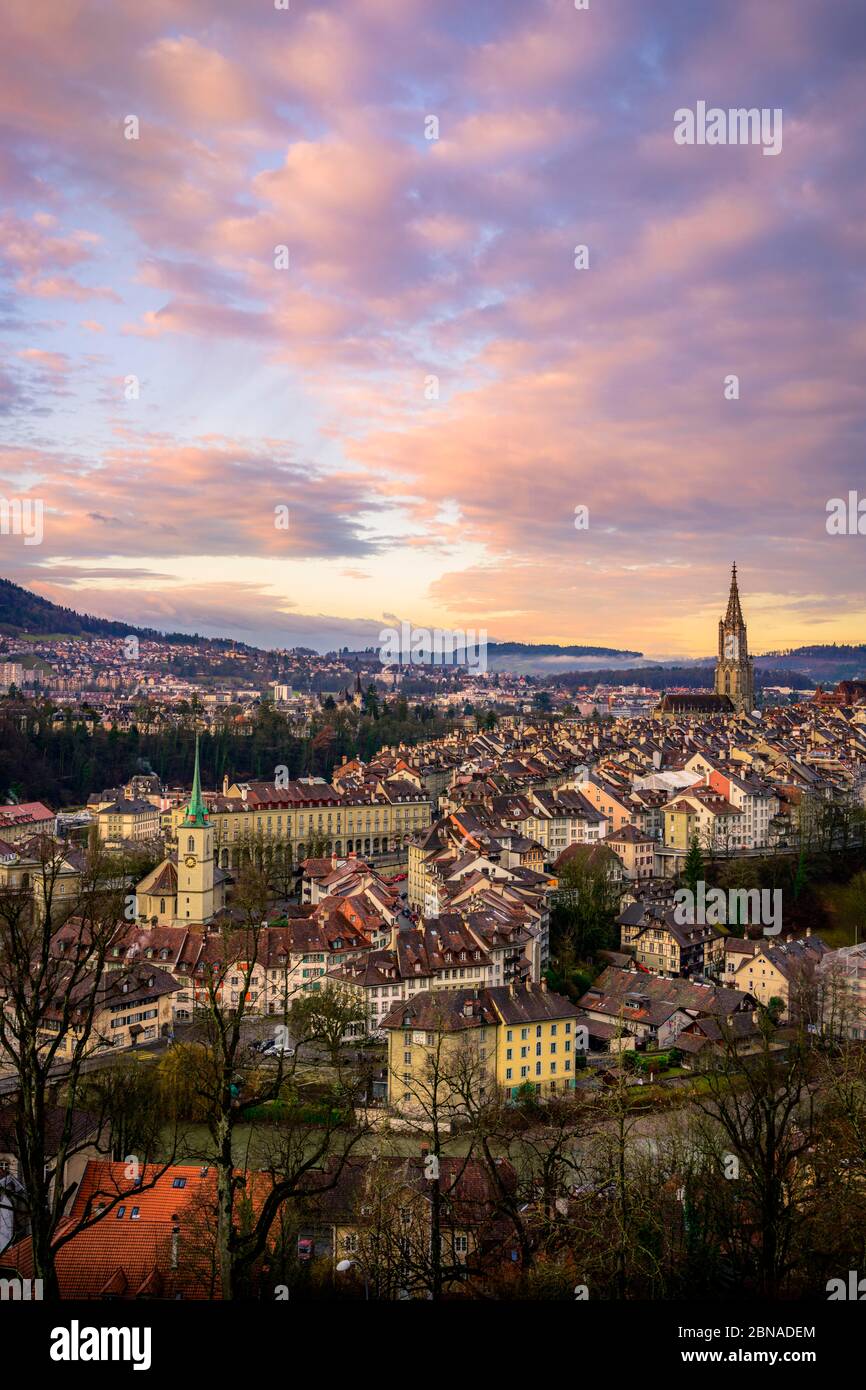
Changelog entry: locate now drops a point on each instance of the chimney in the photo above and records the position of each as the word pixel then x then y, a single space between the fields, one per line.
pixel 175 1240
pixel 225 784
pixel 808 931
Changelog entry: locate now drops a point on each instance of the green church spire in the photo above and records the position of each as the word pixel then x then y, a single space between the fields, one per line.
pixel 197 811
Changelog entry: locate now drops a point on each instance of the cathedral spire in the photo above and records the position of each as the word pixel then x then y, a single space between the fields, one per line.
pixel 734 615
pixel 196 811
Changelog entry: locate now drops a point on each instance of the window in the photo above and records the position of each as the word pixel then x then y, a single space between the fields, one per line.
pixel 135 1213
pixel 120 1212
pixel 179 1182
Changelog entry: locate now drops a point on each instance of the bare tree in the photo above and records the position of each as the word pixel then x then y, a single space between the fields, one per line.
pixel 228 1081
pixel 52 990
pixel 764 1103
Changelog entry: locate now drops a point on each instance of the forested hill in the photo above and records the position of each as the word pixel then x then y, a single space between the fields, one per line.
pixel 22 611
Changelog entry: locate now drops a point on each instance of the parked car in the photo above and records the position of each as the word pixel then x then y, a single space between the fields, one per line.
pixel 272 1048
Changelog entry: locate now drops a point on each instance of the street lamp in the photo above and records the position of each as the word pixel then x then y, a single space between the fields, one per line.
pixel 344 1266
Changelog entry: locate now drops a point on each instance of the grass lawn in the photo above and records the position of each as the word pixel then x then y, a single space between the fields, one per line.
pixel 254 1144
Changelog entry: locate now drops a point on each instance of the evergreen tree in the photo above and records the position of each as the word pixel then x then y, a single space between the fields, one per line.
pixel 693 870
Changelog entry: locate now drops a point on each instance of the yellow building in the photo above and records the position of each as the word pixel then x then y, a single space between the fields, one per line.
pixel 41 867
pixel 704 813
pixel 446 1045
pixel 128 820
pixel 128 1007
pixel 302 818
pixel 770 969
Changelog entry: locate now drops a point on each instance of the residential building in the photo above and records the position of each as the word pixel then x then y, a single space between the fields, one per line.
pixel 498 1040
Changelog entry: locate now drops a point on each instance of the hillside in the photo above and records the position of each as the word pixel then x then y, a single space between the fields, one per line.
pixel 24 612
pixel 830 662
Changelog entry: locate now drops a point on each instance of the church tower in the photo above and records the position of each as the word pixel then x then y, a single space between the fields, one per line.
pixel 735 674
pixel 195 860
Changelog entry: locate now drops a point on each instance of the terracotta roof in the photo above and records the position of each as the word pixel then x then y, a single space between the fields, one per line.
pixel 125 1255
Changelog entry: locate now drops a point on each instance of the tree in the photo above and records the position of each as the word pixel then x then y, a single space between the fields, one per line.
pixel 693 869
pixel 586 904
pixel 228 1080
pixel 763 1103
pixel 326 1015
pixel 454 1065
pixel 51 999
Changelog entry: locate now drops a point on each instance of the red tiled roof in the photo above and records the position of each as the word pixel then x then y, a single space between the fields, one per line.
pixel 126 1257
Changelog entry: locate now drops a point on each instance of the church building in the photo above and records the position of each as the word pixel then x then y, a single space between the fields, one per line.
pixel 186 889
pixel 735 672
pixel 734 685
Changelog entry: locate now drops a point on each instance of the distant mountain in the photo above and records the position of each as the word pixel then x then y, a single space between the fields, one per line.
pixel 692 677
pixel 541 649
pixel 823 662
pixel 525 658
pixel 24 612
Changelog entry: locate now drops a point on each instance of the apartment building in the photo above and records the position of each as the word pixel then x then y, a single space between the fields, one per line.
pixel 454 951
pixel 495 1041
pixel 128 820
pixel 308 813
pixel 842 977
pixel 128 1007
pixel 784 970
pixel 635 850
pixel 660 944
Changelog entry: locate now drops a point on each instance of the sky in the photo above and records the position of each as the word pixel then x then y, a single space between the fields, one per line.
pixel 293 343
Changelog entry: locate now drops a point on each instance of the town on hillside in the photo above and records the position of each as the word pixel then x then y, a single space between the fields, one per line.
pixel 510 1010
